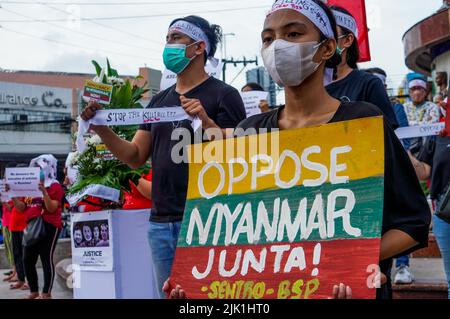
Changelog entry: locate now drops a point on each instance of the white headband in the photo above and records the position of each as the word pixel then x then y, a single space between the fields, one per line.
pixel 311 10
pixel 192 31
pixel 346 21
pixel 418 83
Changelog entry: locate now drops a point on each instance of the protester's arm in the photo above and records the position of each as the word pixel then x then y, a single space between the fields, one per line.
pixel 50 204
pixel 194 108
pixel 134 153
pixel 6 204
pixel 17 202
pixel 407 215
pixel 20 206
pixel 422 169
pixel 395 242
pixel 145 188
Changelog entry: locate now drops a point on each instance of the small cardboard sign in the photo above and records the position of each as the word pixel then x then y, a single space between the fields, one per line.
pixel 99 92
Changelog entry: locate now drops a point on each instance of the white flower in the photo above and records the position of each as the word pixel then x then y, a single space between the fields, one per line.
pixel 94 140
pixel 73 158
pixel 116 81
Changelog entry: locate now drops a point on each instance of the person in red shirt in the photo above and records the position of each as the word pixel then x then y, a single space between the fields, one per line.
pixel 16 226
pixel 11 276
pixel 49 207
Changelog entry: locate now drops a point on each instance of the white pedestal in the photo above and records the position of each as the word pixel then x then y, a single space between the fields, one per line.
pixel 132 275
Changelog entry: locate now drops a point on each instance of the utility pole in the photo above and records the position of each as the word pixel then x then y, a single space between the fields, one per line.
pixel 244 61
pixel 224 44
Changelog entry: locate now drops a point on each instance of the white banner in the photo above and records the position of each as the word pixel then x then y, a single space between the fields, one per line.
pixel 95 190
pixel 23 182
pixel 3 195
pixel 212 69
pixel 123 117
pixel 251 101
pixel 92 241
pixel 420 131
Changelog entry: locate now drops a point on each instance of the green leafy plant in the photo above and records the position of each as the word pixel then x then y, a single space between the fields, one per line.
pixel 93 168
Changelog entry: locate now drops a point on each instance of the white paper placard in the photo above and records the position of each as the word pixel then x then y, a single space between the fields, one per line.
pixel 4 197
pixel 92 241
pixel 420 131
pixel 251 101
pixel 23 182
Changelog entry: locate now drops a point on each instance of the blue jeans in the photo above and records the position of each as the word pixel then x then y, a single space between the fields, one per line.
pixel 441 230
pixel 163 238
pixel 402 261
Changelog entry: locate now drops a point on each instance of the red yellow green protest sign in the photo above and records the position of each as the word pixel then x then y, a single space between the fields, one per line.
pixel 285 221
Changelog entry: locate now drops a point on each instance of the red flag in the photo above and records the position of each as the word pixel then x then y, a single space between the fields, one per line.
pixel 358 10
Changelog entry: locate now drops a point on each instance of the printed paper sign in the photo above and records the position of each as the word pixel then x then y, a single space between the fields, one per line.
pixel 104 153
pixel 3 195
pixel 420 131
pixel 251 101
pixel 92 241
pixel 99 92
pixel 23 182
pixel 286 223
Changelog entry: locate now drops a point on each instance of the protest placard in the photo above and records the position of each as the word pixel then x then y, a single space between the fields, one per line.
pixel 286 224
pixel 99 92
pixel 3 195
pixel 23 182
pixel 251 101
pixel 92 244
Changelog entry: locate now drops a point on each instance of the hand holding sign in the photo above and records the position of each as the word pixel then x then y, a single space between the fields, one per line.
pixel 255 102
pixel 194 108
pixel 23 182
pixel 90 111
pixel 340 291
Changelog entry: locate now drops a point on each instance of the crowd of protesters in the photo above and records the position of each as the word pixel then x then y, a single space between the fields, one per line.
pixel 314 57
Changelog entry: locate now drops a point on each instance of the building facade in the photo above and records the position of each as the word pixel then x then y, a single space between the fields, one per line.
pixel 427 43
pixel 38 111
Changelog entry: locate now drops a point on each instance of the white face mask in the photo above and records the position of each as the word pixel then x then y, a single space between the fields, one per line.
pixel 290 63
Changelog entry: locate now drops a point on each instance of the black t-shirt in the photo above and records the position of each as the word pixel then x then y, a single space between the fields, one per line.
pixel 405 205
pixel 362 86
pixel 436 153
pixel 224 106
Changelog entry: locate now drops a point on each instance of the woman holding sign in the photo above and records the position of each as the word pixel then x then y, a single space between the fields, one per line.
pixel 298 42
pixel 191 41
pixel 350 83
pixel 49 208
